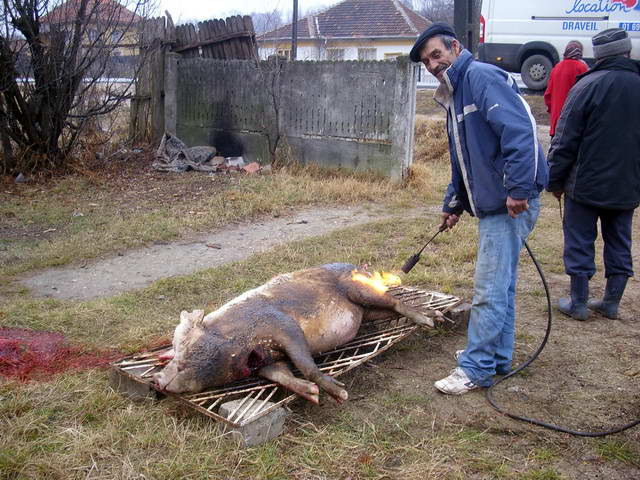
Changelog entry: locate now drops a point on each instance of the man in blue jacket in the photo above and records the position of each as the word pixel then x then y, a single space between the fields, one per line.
pixel 595 161
pixel 498 171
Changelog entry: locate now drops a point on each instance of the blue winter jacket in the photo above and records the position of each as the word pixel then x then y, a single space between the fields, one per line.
pixel 493 139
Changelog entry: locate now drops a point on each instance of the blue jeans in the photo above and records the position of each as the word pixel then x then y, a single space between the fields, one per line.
pixel 492 319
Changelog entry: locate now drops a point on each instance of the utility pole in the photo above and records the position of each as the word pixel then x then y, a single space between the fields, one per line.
pixel 294 31
pixel 466 22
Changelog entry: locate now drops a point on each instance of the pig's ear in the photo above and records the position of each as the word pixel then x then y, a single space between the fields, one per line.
pixel 185 318
pixel 196 317
pixel 181 330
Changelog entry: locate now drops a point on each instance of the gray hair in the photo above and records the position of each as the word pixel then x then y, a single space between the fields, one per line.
pixel 447 40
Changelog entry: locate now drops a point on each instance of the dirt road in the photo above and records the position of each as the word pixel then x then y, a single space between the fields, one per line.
pixel 141 267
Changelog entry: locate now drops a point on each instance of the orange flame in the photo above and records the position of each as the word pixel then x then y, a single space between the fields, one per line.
pixel 379 281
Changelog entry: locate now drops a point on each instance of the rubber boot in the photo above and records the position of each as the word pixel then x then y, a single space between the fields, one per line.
pixel 576 306
pixel 608 306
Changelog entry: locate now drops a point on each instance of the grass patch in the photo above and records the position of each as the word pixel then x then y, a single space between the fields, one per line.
pixel 612 450
pixel 425 105
pixel 542 474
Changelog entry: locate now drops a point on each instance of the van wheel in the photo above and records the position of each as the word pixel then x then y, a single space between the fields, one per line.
pixel 535 71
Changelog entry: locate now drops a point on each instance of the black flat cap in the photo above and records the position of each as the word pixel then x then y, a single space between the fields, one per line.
pixel 437 28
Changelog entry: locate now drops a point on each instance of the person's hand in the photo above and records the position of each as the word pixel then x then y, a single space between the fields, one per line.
pixel 557 194
pixel 449 221
pixel 516 207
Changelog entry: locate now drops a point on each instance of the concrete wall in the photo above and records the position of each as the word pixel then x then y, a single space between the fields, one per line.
pixel 357 115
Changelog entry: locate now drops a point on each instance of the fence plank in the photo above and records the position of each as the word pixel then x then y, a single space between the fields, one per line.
pixel 251 41
pixel 220 29
pixel 238 26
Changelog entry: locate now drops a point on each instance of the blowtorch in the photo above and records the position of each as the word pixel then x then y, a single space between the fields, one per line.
pixel 413 259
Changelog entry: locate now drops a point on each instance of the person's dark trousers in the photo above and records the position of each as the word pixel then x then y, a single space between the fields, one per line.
pixel 580 232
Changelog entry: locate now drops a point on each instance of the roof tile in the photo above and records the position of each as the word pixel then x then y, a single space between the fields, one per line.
pixel 357 18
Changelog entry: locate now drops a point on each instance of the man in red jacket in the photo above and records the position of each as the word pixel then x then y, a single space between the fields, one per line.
pixel 563 77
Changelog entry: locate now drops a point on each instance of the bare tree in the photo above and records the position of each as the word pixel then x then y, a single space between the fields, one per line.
pixel 69 47
pixel 267 21
pixel 435 10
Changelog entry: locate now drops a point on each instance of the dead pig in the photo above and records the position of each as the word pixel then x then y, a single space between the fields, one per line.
pixel 295 315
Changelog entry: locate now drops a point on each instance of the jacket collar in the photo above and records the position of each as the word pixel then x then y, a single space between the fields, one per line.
pixel 452 77
pixel 617 62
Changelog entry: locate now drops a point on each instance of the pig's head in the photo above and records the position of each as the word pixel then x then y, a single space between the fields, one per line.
pixel 201 358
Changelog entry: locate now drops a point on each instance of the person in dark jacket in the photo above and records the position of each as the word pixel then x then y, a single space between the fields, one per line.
pixel 498 171
pixel 595 161
pixel 562 78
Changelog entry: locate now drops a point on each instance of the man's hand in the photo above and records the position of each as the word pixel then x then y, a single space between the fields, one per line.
pixel 449 221
pixel 558 194
pixel 516 207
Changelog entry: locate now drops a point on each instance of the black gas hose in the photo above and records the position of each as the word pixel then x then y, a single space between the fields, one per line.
pixel 526 363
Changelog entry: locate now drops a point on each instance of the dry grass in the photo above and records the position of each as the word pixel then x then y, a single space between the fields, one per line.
pixel 76 219
pixel 425 105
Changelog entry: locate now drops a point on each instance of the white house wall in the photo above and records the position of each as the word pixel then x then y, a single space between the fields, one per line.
pixel 350 50
pixel 304 52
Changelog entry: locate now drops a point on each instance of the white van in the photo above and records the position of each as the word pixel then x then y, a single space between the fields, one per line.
pixel 529 36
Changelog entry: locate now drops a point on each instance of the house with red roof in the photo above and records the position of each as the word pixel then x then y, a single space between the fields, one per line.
pixel 108 20
pixel 349 30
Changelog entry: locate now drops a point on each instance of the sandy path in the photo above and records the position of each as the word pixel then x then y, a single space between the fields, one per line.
pixel 140 267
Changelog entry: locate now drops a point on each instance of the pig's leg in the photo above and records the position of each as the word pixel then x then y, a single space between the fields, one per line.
pixel 279 372
pixel 292 340
pixel 368 297
pixel 373 314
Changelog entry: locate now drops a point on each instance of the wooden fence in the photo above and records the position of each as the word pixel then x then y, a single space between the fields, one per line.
pixel 233 38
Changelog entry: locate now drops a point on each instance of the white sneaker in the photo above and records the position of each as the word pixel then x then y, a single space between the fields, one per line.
pixel 457 354
pixel 455 384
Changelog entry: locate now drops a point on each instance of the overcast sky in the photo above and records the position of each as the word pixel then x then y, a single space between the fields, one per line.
pixel 183 10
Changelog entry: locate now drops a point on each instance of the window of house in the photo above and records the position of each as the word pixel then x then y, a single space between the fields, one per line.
pixel 366 54
pixel 392 56
pixel 335 54
pixel 284 53
pixel 116 35
pixel 93 35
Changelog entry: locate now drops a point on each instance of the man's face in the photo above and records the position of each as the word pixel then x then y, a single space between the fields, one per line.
pixel 437 58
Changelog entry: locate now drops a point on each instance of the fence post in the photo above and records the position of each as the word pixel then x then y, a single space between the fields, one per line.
pixel 403 118
pixel 157 91
pixel 171 91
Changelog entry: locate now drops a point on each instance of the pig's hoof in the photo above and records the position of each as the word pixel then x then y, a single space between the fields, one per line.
pixel 422 320
pixel 333 388
pixel 341 397
pixel 309 391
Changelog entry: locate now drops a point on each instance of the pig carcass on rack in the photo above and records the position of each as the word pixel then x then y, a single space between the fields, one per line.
pixel 294 315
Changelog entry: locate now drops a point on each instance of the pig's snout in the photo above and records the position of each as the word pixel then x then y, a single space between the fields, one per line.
pixel 164 382
pixel 159 379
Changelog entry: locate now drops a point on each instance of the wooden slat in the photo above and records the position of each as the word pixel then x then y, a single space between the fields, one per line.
pixel 236 42
pixel 233 43
pixel 238 27
pixel 253 48
pixel 220 30
pixel 202 38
